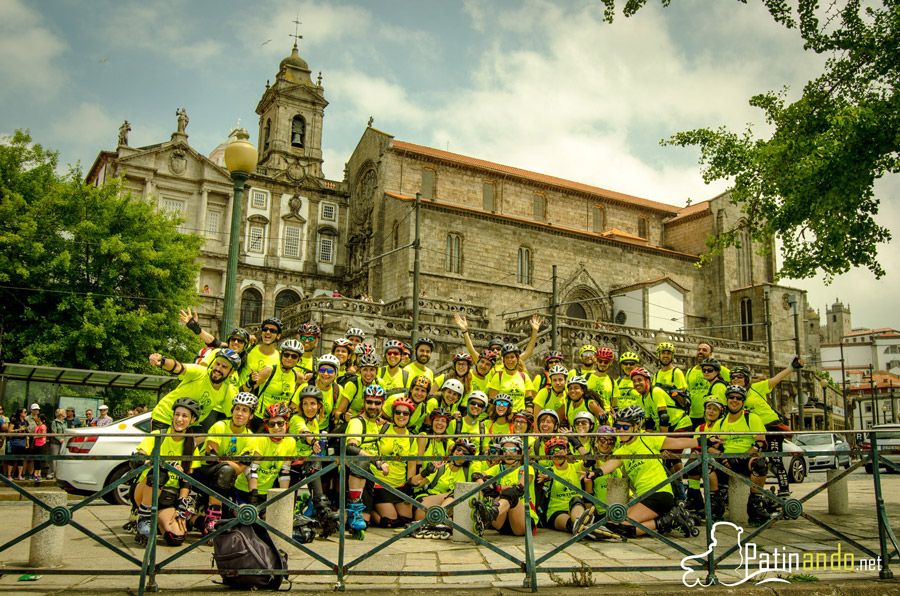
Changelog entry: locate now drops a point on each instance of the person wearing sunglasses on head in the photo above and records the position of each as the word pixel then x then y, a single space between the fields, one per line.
pixel 273 452
pixel 277 384
pixel 656 510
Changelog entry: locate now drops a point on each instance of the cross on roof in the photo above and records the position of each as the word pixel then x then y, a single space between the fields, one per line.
pixel 296 35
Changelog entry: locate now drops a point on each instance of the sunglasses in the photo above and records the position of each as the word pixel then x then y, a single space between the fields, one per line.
pixel 326 370
pixel 276 423
pixel 501 402
pixel 476 404
pixel 607 439
pixel 558 451
pixel 373 402
pixel 622 426
pixel 270 330
pixel 708 370
pixel 400 412
pixel 510 450
pixel 307 338
pixel 291 355
pixel 392 353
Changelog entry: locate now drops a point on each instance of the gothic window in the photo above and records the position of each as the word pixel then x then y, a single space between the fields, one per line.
pixel 598 218
pixel 291 241
pixel 744 260
pixel 298 132
pixel 576 311
pixel 267 133
pixel 523 266
pixel 746 319
pixel 487 196
pixel 428 183
pixel 251 307
pixel 540 207
pixel 285 299
pixel 643 228
pixel 454 253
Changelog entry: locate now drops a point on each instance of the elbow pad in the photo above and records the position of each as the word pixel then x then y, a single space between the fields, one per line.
pixel 353 449
pixel 760 467
pixel 575 442
pixel 663 419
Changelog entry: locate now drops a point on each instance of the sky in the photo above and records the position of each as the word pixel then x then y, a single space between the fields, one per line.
pixel 537 84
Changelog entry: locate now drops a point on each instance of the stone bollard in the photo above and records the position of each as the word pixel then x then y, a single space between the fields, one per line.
pixel 280 515
pixel 616 490
pixel 46 547
pixel 838 494
pixel 738 497
pixel 462 511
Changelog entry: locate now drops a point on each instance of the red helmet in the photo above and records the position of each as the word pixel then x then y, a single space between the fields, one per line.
pixel 403 401
pixel 641 372
pixel 489 355
pixel 553 442
pixel 462 357
pixel 278 409
pixel 310 329
pixel 605 353
pixel 341 342
pixel 553 355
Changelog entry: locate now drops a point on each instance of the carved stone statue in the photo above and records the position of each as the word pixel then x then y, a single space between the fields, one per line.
pixel 123 133
pixel 183 119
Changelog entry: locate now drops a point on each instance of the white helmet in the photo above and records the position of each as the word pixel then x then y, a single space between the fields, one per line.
pixel 454 385
pixel 245 399
pixel 330 359
pixel 558 369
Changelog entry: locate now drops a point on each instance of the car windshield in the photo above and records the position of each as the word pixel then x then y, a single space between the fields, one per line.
pixel 814 440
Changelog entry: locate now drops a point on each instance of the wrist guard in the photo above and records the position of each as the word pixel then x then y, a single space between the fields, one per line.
pixel 193 325
pixel 427 469
pixel 253 470
pixel 796 364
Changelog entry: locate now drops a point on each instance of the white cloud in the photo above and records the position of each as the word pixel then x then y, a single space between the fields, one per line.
pixel 28 52
pixel 363 95
pixel 88 125
pixel 156 27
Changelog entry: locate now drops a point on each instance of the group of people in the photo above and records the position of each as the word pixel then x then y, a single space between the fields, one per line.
pixel 266 408
pixel 33 435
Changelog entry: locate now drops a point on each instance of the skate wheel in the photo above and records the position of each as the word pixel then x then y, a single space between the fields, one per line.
pixel 695 532
pixel 359 535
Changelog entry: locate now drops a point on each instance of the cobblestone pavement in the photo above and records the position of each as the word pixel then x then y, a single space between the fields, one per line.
pixel 625 565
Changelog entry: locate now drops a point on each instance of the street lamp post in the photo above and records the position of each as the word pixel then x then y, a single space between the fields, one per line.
pixel 240 159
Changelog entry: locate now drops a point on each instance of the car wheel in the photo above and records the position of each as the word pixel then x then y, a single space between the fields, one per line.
pixel 797 472
pixel 121 494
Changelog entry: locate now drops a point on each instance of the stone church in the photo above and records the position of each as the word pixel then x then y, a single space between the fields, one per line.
pixel 340 252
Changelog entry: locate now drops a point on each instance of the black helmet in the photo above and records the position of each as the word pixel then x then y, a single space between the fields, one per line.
pixel 188 403
pixel 231 357
pixel 510 349
pixel 424 341
pixel 311 391
pixel 240 333
pixel 274 322
pixel 712 363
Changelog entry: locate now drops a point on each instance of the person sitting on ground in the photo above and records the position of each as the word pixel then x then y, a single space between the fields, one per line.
pixel 396 442
pixel 175 505
pixel 655 510
pixel 503 505
pixel 227 457
pixel 274 451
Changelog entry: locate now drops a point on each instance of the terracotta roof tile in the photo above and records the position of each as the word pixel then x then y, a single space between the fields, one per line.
pixel 474 162
pixel 623 235
pixel 690 211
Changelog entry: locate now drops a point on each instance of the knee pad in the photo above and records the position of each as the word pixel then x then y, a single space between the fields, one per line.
pixel 512 494
pixel 385 522
pixel 760 467
pixel 223 478
pixel 575 501
pixel 173 539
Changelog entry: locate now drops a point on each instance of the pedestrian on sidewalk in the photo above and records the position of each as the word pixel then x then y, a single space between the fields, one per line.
pixel 57 427
pixel 40 444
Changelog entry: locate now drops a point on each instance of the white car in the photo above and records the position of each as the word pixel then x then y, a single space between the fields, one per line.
pixel 835 452
pixel 796 464
pixel 85 475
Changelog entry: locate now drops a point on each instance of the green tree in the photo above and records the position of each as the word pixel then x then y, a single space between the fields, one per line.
pixel 89 277
pixel 811 183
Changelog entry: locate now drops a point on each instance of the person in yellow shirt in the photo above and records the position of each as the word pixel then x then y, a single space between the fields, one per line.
pixel 552 396
pixel 512 379
pixel 461 371
pixel 265 353
pixel 174 502
pixel 350 403
pixel 551 359
pixel 277 449
pixel 396 443
pixel 342 348
pixel 668 374
pixel 505 512
pixel 392 376
pixel 309 335
pixel 277 384
pixel 207 385
pixel 484 370
pixel 423 349
pixel 363 440
pixel 435 482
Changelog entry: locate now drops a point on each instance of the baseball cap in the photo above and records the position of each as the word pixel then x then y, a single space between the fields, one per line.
pixel 103 407
pixel 35 407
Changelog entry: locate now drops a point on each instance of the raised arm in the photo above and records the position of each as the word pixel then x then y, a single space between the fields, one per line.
pixel 535 322
pixel 463 325
pixel 190 320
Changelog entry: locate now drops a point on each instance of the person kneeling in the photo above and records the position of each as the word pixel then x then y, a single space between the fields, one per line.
pixel 504 510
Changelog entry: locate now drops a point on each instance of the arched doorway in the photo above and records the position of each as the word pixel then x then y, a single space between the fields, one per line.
pixel 284 299
pixel 583 302
pixel 251 307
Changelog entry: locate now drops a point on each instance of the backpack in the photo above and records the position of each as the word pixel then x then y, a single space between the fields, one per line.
pixel 248 547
